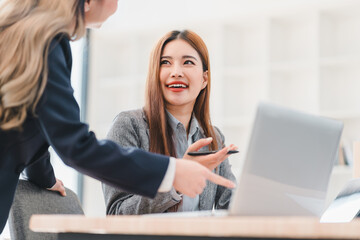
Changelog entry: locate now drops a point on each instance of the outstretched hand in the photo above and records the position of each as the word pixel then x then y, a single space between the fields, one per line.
pixel 210 161
pixel 58 187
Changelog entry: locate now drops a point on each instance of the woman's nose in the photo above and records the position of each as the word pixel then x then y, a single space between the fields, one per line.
pixel 176 71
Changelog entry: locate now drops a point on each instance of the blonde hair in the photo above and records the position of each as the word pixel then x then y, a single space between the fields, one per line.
pixel 159 128
pixel 26 30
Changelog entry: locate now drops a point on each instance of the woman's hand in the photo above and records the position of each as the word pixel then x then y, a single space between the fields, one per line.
pixel 58 187
pixel 210 161
pixel 190 178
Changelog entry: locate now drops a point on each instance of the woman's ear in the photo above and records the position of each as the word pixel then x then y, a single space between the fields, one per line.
pixel 205 80
pixel 87 6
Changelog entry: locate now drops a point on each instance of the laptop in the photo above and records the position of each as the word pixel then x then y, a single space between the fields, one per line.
pixel 287 165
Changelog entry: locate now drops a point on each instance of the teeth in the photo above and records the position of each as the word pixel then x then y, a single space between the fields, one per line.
pixel 177 86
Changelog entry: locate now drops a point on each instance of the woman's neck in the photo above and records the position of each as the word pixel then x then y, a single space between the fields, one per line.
pixel 182 114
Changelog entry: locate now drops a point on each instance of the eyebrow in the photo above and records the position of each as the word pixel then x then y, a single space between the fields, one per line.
pixel 183 57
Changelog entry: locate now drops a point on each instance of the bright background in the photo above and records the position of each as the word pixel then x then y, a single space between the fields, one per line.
pixel 304 54
pixel 301 54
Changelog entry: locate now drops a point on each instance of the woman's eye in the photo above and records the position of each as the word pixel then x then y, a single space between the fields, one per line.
pixel 164 62
pixel 187 62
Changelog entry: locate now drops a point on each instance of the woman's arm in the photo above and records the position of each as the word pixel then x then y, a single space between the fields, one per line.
pixel 129 130
pixel 123 203
pixel 58 116
pixel 40 171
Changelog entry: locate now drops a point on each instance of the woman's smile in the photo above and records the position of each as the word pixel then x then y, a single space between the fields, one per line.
pixel 177 86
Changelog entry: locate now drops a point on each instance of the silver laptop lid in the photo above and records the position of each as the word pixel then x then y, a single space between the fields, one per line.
pixel 288 164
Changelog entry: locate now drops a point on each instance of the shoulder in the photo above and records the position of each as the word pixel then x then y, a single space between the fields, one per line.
pixel 59 50
pixel 129 129
pixel 59 63
pixel 131 120
pixel 60 43
pixel 136 116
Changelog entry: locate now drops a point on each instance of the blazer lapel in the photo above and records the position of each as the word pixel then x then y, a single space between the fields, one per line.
pixel 205 198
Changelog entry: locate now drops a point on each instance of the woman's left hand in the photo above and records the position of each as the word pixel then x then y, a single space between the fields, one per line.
pixel 210 161
pixel 58 187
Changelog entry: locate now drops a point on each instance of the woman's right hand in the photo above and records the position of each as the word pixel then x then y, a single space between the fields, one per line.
pixel 190 178
pixel 210 161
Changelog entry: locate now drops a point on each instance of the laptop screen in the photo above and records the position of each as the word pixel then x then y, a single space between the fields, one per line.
pixel 288 163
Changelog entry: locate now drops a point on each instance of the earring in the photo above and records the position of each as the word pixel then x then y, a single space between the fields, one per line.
pixel 87 8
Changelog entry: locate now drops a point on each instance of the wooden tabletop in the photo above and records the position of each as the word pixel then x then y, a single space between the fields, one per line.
pixel 276 227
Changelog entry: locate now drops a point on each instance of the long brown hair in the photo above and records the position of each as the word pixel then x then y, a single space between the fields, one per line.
pixel 160 130
pixel 26 30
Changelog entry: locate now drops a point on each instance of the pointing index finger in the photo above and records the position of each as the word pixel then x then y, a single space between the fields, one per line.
pixel 220 180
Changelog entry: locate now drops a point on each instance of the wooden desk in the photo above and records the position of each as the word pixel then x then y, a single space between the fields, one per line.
pixel 142 227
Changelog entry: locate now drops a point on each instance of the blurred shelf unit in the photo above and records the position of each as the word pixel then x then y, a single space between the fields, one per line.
pixel 308 60
pixel 118 70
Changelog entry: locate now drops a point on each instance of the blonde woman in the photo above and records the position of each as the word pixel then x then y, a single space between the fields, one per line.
pixel 38 109
pixel 174 121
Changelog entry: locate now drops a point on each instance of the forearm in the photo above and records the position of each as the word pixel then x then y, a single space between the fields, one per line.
pixel 41 172
pixel 121 203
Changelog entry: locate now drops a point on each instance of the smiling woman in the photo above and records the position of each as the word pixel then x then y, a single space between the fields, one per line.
pixel 178 58
pixel 174 121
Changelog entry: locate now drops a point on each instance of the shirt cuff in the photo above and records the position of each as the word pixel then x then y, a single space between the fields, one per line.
pixel 175 195
pixel 168 179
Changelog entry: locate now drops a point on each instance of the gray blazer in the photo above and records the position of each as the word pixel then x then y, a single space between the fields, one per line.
pixel 130 129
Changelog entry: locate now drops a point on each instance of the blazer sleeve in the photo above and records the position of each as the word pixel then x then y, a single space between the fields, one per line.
pixel 41 172
pixel 223 194
pixel 128 132
pixel 133 170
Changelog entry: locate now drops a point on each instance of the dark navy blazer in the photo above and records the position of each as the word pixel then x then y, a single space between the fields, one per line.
pixel 57 124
